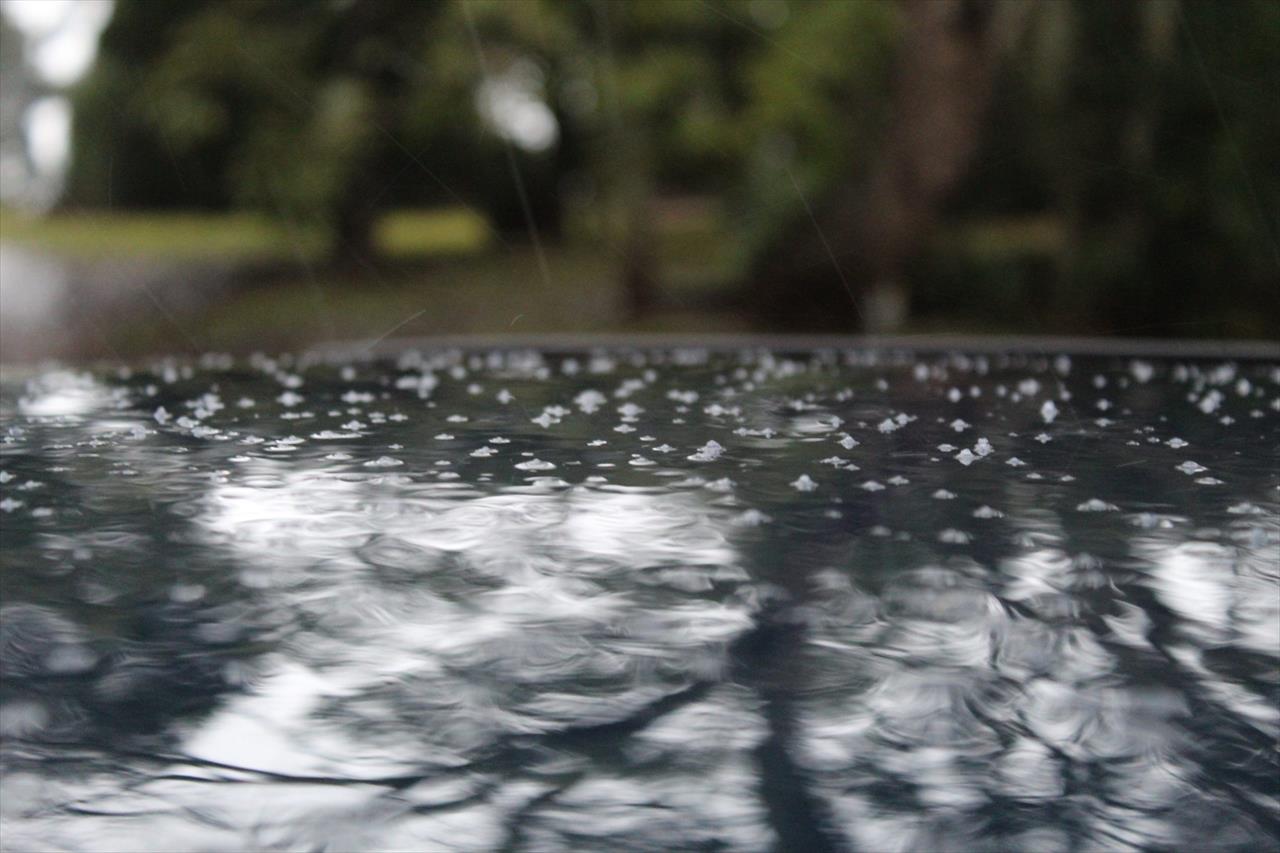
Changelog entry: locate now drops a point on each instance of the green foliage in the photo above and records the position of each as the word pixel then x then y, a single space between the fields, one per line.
pixel 1139 134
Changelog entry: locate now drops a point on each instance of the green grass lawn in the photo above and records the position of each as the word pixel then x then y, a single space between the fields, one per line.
pixel 445 272
pixel 233 237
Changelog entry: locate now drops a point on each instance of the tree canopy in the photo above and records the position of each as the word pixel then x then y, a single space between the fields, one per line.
pixel 1133 141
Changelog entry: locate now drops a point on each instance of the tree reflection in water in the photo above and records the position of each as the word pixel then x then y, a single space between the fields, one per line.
pixel 509 600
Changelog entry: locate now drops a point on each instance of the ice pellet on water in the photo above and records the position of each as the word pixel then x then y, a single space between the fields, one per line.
pixel 708 452
pixel 5 476
pixel 887 425
pixel 161 415
pixel 954 537
pixel 751 518
pixel 848 442
pixel 1177 443
pixel 383 462
pixel 983 447
pixel 960 425
pixel 535 465
pixel 804 483
pixel 985 511
pixel 1096 505
pixel 873 486
pixel 966 457
pixel 1014 462
pixel 1048 411
pixel 1043 438
pixel 1190 467
pixel 1209 402
pixel 483 452
pixel 944 495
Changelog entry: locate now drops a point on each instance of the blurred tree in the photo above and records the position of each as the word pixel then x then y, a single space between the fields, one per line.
pixel 848 236
pixel 1140 139
pixel 1130 143
pixel 645 91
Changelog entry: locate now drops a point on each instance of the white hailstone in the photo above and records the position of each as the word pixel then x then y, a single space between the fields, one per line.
pixel 504 396
pixel 1096 505
pixel 590 400
pixel 954 395
pixel 965 457
pixel 983 447
pixel 946 448
pixel 289 398
pixel 848 442
pixel 985 511
pixel 898 480
pixel 1014 462
pixel 1190 467
pixel 483 452
pixel 597 442
pixel 1210 402
pixel 724 484
pixel 535 465
pixel 1048 411
pixel 751 518
pixel 804 483
pixel 1176 443
pixel 872 486
pixel 383 462
pixel 944 495
pixel 1043 438
pixel 708 452
pixel 887 426
pixel 161 415
pixel 960 425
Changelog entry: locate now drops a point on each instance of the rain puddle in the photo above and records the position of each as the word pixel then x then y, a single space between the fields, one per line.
pixel 642 600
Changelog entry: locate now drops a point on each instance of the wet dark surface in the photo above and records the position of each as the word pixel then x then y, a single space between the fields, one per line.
pixel 675 599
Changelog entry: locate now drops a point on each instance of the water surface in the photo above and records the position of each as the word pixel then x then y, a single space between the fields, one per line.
pixel 642 600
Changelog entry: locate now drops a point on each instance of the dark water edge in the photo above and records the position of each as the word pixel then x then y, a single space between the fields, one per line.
pixel 681 597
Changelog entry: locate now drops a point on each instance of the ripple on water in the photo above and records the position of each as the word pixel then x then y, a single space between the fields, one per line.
pixel 386 605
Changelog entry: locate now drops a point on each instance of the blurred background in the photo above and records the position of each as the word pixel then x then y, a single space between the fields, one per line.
pixel 232 175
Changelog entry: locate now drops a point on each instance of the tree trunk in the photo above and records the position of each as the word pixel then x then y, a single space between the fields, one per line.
pixel 941 89
pixel 639 260
pixel 353 248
